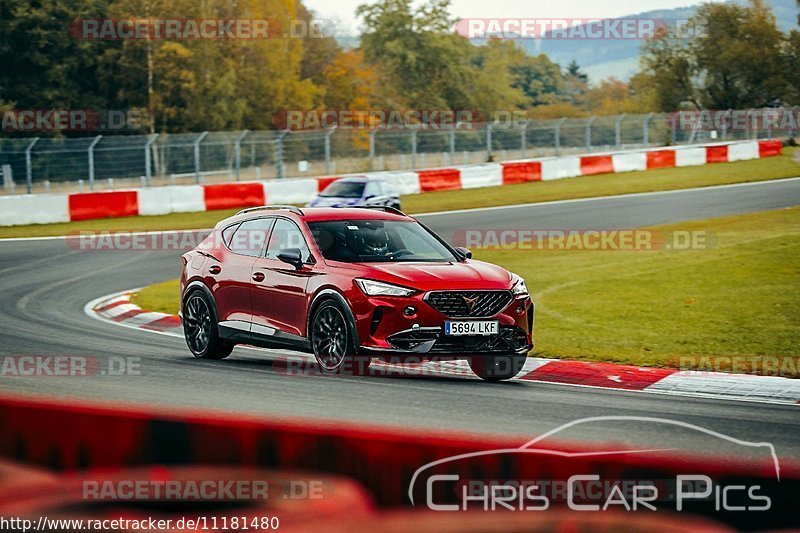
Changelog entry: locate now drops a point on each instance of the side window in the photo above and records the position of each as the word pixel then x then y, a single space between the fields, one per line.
pixel 286 235
pixel 227 233
pixel 249 238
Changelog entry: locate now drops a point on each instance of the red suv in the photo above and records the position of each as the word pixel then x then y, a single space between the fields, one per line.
pixel 349 285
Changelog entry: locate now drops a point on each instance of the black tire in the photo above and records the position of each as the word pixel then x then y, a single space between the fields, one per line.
pixel 200 328
pixel 497 367
pixel 333 342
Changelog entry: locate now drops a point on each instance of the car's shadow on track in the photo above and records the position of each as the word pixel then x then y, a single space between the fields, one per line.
pixel 305 366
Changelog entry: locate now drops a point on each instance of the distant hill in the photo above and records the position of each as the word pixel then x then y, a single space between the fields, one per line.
pixel 620 58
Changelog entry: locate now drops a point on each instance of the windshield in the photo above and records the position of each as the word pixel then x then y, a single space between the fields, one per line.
pixel 345 189
pixel 375 241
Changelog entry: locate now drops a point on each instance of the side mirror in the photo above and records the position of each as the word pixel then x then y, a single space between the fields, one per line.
pixel 291 256
pixel 466 253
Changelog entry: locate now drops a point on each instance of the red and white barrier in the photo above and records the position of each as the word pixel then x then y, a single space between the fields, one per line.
pixel 50 208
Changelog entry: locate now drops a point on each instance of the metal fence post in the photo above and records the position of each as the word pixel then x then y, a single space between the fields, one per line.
pixel 328 134
pixel 197 155
pixel 28 165
pixel 279 154
pixel 618 131
pixel 91 161
pixel 237 153
pixel 488 140
pixel 558 134
pixel 452 145
pixel 646 129
pixel 414 148
pixel 372 147
pixel 148 174
pixel 588 133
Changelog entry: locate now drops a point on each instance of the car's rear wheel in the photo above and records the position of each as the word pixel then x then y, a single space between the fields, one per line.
pixel 333 341
pixel 200 328
pixel 497 367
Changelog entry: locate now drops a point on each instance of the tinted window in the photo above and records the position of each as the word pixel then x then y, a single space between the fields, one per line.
pixel 227 233
pixel 344 189
pixel 250 237
pixel 286 235
pixel 371 241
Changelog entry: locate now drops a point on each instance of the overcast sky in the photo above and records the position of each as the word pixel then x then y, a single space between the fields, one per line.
pixel 343 11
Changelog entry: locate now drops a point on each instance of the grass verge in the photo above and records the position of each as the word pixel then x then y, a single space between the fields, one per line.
pixel 731 306
pixel 583 187
pixel 162 297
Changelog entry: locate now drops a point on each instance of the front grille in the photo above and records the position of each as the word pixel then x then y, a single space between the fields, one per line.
pixel 510 339
pixel 469 304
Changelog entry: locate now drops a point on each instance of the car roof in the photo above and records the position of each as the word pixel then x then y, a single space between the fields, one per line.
pixel 315 214
pixel 320 214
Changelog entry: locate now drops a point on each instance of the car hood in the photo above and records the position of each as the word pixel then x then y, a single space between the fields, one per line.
pixel 468 275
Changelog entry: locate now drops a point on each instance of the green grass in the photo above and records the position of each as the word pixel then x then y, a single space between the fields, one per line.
pixel 162 297
pixel 583 187
pixel 737 298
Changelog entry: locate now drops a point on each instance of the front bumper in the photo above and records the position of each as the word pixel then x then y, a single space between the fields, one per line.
pixel 383 329
pixel 433 341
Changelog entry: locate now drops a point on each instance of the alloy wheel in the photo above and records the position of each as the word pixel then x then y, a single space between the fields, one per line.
pixel 329 338
pixel 197 324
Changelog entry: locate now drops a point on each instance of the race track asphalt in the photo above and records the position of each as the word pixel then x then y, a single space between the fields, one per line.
pixel 45 284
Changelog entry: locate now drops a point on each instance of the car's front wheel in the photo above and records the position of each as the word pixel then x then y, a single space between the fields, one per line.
pixel 497 367
pixel 200 328
pixel 333 341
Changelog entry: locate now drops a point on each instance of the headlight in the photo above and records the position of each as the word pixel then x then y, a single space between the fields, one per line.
pixel 519 288
pixel 378 288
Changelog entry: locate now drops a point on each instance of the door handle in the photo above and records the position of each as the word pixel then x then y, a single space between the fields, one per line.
pixel 214 269
pixel 258 276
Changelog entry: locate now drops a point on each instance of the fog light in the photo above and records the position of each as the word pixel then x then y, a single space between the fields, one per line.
pixel 520 309
pixel 410 311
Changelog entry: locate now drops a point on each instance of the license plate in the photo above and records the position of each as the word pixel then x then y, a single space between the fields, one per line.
pixel 472 327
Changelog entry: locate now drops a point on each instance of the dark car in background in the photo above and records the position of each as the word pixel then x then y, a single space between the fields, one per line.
pixel 358 191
